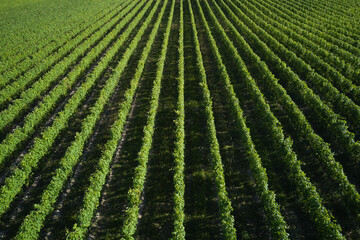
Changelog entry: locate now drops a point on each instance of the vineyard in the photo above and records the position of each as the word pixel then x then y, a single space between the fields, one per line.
pixel 179 119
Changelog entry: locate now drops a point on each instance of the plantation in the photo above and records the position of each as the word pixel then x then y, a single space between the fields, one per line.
pixel 179 119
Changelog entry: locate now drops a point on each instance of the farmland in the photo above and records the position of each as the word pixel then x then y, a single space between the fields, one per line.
pixel 179 119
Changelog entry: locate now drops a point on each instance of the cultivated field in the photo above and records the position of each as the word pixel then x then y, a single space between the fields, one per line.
pixel 174 119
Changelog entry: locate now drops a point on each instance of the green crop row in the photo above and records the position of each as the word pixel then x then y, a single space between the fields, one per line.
pixel 179 152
